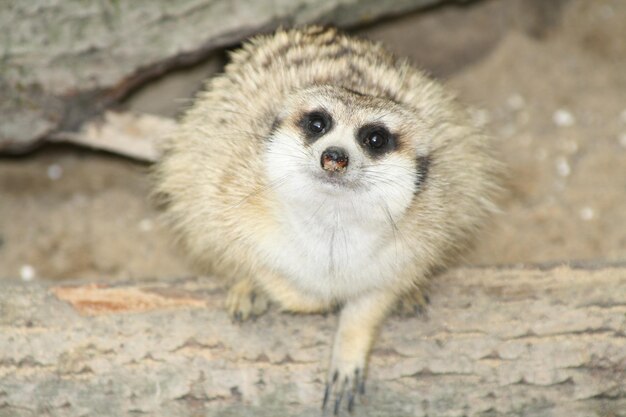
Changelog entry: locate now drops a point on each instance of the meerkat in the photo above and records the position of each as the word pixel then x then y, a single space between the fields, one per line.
pixel 320 171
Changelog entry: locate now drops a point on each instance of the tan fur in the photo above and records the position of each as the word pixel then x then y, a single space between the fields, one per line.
pixel 221 205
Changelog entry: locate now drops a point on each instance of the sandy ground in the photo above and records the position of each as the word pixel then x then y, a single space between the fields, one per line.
pixel 549 82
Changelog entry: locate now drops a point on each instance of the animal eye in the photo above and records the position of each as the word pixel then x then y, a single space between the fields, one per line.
pixel 376 139
pixel 316 123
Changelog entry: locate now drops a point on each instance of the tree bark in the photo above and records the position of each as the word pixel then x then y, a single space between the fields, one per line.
pixel 494 342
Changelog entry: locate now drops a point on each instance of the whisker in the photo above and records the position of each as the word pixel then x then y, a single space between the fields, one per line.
pixel 271 185
pixel 232 135
pixel 298 157
pixel 299 151
pixel 331 247
pixel 220 109
pixel 310 219
pixel 382 180
pixel 232 132
pixel 394 227
pixel 369 166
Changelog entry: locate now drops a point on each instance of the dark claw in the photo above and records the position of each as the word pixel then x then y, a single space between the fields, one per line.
pixel 350 387
pixel 350 402
pixel 356 386
pixel 329 386
pixel 326 395
pixel 338 403
pixel 340 396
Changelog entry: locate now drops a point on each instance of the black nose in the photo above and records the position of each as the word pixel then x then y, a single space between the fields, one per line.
pixel 334 159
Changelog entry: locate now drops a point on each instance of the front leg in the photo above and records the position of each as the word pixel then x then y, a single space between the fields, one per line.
pixel 358 324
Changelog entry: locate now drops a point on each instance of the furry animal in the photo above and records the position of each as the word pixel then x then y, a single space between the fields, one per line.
pixel 318 171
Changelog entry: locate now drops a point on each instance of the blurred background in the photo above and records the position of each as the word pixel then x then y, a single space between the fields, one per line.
pixel 546 78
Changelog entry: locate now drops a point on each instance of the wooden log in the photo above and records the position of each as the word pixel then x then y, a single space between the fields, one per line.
pixel 494 342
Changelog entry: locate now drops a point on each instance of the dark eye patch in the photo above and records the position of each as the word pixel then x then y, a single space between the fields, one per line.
pixel 315 124
pixel 376 139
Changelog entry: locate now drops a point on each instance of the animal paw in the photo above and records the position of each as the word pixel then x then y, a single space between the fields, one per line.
pixel 344 384
pixel 245 301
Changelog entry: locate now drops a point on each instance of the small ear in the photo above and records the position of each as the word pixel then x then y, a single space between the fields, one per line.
pixel 278 121
pixel 423 165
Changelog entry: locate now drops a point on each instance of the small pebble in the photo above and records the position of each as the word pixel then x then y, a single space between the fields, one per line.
pixel 145 225
pixel 607 12
pixel 516 102
pixel 622 140
pixel 586 213
pixel 79 199
pixel 27 273
pixel 509 130
pixel 541 154
pixel 571 146
pixel 55 172
pixel 563 118
pixel 523 117
pixel 562 167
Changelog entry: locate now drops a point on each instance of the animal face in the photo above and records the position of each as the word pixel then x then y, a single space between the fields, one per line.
pixel 339 146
